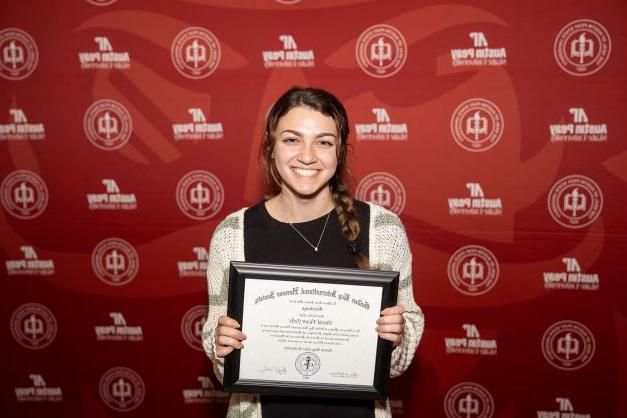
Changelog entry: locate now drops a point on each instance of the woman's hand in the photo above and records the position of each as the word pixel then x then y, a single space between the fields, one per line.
pixel 227 336
pixel 391 324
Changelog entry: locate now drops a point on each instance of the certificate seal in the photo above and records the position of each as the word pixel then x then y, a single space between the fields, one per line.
pixel 307 364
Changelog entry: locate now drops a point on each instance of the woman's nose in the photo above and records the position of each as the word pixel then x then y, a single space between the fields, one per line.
pixel 307 154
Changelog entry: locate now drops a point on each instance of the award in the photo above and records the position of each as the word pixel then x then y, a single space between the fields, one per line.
pixel 310 330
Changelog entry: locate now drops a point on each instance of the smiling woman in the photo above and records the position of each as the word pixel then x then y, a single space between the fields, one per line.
pixel 311 219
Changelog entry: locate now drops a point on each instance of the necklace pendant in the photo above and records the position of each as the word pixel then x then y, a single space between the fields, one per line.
pixel 316 248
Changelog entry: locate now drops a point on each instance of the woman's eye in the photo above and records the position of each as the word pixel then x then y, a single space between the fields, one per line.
pixel 327 143
pixel 289 140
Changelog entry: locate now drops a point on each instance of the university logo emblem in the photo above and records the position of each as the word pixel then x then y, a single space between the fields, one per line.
pixel 575 201
pixel 473 270
pixel 192 324
pixel 307 364
pixel 33 326
pixel 582 47
pixel 383 189
pixel 568 345
pixel 122 389
pixel 24 194
pixel 477 125
pixel 195 53
pixel 381 51
pixel 115 261
pixel 18 54
pixel 107 124
pixel 468 399
pixel 200 195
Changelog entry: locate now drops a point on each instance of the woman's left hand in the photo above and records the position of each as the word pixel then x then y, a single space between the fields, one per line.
pixel 391 324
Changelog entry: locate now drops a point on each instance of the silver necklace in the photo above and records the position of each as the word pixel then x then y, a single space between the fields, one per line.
pixel 315 247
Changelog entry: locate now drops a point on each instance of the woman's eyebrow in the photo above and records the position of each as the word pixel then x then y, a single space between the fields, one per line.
pixel 300 134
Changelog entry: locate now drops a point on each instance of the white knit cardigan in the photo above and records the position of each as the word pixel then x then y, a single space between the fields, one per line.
pixel 388 250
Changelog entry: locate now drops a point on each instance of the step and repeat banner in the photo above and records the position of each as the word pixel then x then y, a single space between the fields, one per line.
pixel 496 130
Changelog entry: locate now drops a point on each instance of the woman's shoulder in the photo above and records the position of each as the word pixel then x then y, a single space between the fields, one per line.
pixel 232 222
pixel 380 216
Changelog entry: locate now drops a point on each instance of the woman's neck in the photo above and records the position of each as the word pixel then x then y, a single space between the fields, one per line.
pixel 287 207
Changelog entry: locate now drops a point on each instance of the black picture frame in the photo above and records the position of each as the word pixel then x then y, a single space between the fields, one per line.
pixel 240 271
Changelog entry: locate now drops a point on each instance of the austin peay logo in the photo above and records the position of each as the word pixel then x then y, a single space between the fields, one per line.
pixel 471 344
pixel 568 345
pixel 107 124
pixel 206 393
pixel 115 261
pixel 580 130
pixel 33 326
pixel 104 58
pixel 112 199
pixel 198 128
pixel 476 204
pixel 575 201
pixel 382 129
pixel 30 264
pixel 572 278
pixel 192 324
pixel 39 391
pixel 565 410
pixel 480 54
pixel 477 125
pixel 468 399
pixel 24 194
pixel 19 54
pixel 19 129
pixel 199 195
pixel 383 189
pixel 119 330
pixel 122 389
pixel 582 47
pixel 288 57
pixel 381 51
pixel 473 270
pixel 195 53
pixel 197 267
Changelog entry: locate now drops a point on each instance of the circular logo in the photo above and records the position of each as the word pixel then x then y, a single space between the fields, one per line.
pixel 468 399
pixel 195 53
pixel 381 51
pixel 477 125
pixel 24 194
pixel 307 364
pixel 108 125
pixel 33 326
pixel 582 47
pixel 383 189
pixel 473 270
pixel 122 389
pixel 568 345
pixel 192 324
pixel 115 261
pixel 200 195
pixel 101 2
pixel 18 54
pixel 575 201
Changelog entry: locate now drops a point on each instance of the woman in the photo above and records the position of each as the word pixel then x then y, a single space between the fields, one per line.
pixel 310 219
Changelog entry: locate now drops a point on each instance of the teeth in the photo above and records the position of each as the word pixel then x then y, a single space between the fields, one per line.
pixel 305 172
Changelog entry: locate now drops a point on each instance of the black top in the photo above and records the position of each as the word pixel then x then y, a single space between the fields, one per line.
pixel 267 240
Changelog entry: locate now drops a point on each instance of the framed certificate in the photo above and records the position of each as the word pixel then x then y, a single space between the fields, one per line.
pixel 310 330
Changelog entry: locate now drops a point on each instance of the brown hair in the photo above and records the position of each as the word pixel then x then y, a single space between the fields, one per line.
pixel 327 104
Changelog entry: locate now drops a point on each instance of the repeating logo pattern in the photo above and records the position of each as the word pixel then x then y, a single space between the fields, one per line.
pixel 471 343
pixel 575 201
pixel 108 125
pixel 477 125
pixel 568 345
pixel 381 51
pixel 383 189
pixel 19 54
pixel 105 58
pixel 122 389
pixel 38 391
pixel 33 326
pixel 200 195
pixel 572 278
pixel 115 261
pixel 30 264
pixel 473 270
pixel 289 56
pixel 206 393
pixel 112 199
pixel 382 129
pixel 582 47
pixel 476 204
pixel 192 324
pixel 197 267
pixel 20 129
pixel 198 129
pixel 479 55
pixel 196 53
pixel 119 330
pixel 24 194
pixel 579 130
pixel 468 399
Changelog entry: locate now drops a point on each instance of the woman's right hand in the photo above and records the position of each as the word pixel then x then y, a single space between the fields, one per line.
pixel 227 336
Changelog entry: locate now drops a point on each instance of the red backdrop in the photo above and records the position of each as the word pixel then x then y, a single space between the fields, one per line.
pixel 496 130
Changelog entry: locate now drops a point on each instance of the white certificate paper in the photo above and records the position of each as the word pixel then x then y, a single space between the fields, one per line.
pixel 309 332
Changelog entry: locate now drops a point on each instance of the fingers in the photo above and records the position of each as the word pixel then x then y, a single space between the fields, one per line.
pixel 224 351
pixel 227 336
pixel 393 328
pixel 396 339
pixel 391 324
pixel 229 322
pixel 393 310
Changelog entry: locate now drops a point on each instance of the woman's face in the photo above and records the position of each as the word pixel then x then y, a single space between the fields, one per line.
pixel 305 151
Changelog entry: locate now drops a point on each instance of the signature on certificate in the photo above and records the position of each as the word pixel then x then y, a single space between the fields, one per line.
pixel 272 369
pixel 344 374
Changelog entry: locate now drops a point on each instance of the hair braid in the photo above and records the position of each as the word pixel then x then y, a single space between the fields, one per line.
pixel 348 220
